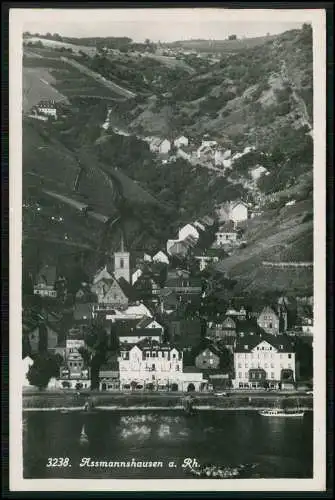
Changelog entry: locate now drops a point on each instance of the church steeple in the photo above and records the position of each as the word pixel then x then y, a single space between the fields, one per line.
pixel 121 262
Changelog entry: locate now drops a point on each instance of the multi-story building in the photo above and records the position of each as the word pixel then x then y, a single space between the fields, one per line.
pixel 45 282
pixel 150 365
pixel 268 319
pixel 261 360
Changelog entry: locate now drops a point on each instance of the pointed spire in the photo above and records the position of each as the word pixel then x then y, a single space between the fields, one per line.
pixel 122 242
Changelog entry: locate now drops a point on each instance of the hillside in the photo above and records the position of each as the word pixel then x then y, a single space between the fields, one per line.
pixel 280 235
pixel 254 94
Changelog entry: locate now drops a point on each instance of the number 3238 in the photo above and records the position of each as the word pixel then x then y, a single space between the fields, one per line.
pixel 58 462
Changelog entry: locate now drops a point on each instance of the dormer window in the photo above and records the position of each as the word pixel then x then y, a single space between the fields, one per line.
pixel 281 347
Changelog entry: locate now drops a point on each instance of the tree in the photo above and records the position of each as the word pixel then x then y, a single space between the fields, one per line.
pixel 85 354
pixel 226 360
pixel 44 368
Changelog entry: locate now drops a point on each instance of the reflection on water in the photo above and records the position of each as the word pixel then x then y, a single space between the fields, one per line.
pixel 281 447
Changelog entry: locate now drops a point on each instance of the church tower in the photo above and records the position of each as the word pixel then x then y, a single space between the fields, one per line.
pixel 121 263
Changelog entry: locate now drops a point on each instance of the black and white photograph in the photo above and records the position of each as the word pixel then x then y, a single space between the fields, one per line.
pixel 167 262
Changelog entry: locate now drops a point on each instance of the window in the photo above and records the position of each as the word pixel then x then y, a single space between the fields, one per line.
pixel 270 325
pixel 173 356
pixel 153 366
pixel 239 374
pixel 272 365
pixel 289 356
pixel 211 361
pixel 272 375
pixel 266 365
pixel 240 365
pixel 122 263
pixel 246 365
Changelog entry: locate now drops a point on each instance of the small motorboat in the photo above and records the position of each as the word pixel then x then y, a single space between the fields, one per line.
pixel 83 436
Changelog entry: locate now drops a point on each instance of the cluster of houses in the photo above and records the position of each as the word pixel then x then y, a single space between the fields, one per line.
pixel 158 347
pixel 208 152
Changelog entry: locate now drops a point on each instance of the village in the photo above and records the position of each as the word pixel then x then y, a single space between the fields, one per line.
pixel 146 323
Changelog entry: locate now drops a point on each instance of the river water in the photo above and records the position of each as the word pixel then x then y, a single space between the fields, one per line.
pixel 282 447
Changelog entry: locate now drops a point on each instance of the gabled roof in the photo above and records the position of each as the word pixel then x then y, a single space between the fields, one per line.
pixel 248 342
pixel 102 273
pixel 144 322
pixel 127 289
pixel 238 202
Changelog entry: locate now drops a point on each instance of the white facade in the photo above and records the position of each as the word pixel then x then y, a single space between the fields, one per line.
pixel 308 329
pixel 157 365
pixel 161 146
pixel 181 141
pixel 47 111
pixel 161 257
pixel 121 266
pixel 223 237
pixel 136 275
pixel 188 230
pixel 72 345
pixel 263 356
pixel 239 212
pixel 204 261
pixel 45 291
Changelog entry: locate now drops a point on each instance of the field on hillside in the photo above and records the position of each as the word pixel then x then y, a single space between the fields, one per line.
pixel 223 45
pixel 56 44
pixel 52 78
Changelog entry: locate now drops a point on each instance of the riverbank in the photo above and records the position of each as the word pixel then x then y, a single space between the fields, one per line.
pixel 109 401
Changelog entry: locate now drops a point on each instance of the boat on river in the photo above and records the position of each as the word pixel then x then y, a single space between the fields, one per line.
pixel 283 412
pixel 83 436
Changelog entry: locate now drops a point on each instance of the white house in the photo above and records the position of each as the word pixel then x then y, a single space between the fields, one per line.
pixel 161 146
pixel 263 359
pixel 188 230
pixel 161 257
pixel 48 108
pixel 239 211
pixel 181 141
pixel 149 364
pixel 226 234
pixel 27 362
pixel 133 331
